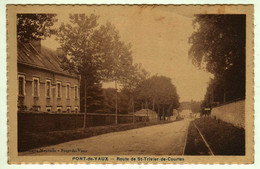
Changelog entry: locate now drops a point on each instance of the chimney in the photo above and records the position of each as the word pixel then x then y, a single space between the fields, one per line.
pixel 60 52
pixel 36 44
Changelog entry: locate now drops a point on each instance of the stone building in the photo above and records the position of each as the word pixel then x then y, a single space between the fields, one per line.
pixel 43 86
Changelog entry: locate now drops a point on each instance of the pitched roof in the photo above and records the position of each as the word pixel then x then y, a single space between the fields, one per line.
pixel 45 58
pixel 145 112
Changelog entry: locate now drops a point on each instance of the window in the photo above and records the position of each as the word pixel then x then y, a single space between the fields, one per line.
pixel 76 109
pixel 59 109
pixel 59 89
pixel 67 90
pixel 36 108
pixel 48 88
pixel 76 91
pixel 21 83
pixel 68 109
pixel 36 87
pixel 48 109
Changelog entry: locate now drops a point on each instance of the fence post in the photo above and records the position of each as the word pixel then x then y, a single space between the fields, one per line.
pixel 133 117
pixel 147 115
pixel 85 111
pixel 133 104
pixel 116 100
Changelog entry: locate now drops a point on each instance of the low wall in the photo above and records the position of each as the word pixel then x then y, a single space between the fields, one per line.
pixel 43 122
pixel 233 113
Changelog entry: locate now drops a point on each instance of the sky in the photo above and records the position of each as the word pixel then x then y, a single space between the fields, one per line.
pixel 159 38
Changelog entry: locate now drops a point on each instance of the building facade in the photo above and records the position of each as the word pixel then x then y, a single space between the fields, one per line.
pixel 43 86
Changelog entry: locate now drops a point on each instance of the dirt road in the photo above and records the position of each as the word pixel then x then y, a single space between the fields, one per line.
pixel 165 139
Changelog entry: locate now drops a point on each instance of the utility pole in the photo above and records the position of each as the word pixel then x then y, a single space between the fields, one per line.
pixel 116 101
pixel 224 96
pixel 85 105
pixel 153 103
pixel 146 106
pixel 163 113
pixel 158 110
pixel 147 115
pixel 133 102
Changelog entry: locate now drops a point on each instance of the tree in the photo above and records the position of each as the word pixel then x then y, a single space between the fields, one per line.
pixel 109 100
pixel 115 56
pixel 195 106
pixel 218 45
pixel 81 57
pixel 35 26
pixel 124 101
pixel 95 97
pixel 127 94
pixel 95 52
pixel 158 90
pixel 117 63
pixel 135 75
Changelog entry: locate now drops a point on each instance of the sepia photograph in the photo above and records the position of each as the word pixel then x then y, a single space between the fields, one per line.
pixel 130 84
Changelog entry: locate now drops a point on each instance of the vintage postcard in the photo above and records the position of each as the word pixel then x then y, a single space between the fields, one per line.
pixel 130 84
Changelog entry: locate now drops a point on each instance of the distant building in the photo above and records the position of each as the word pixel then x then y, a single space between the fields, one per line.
pixel 43 86
pixel 147 112
pixel 186 113
pixel 175 115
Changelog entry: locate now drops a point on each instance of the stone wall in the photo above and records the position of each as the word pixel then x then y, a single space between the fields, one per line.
pixel 233 113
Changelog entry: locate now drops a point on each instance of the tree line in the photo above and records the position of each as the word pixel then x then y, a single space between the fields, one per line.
pixel 98 54
pixel 218 46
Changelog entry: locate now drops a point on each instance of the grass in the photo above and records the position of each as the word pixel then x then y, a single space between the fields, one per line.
pixel 223 138
pixel 195 144
pixel 29 140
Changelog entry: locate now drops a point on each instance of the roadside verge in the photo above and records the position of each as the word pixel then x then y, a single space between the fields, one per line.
pixel 30 140
pixel 222 138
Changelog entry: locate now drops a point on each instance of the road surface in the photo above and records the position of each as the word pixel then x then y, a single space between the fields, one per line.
pixel 164 139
